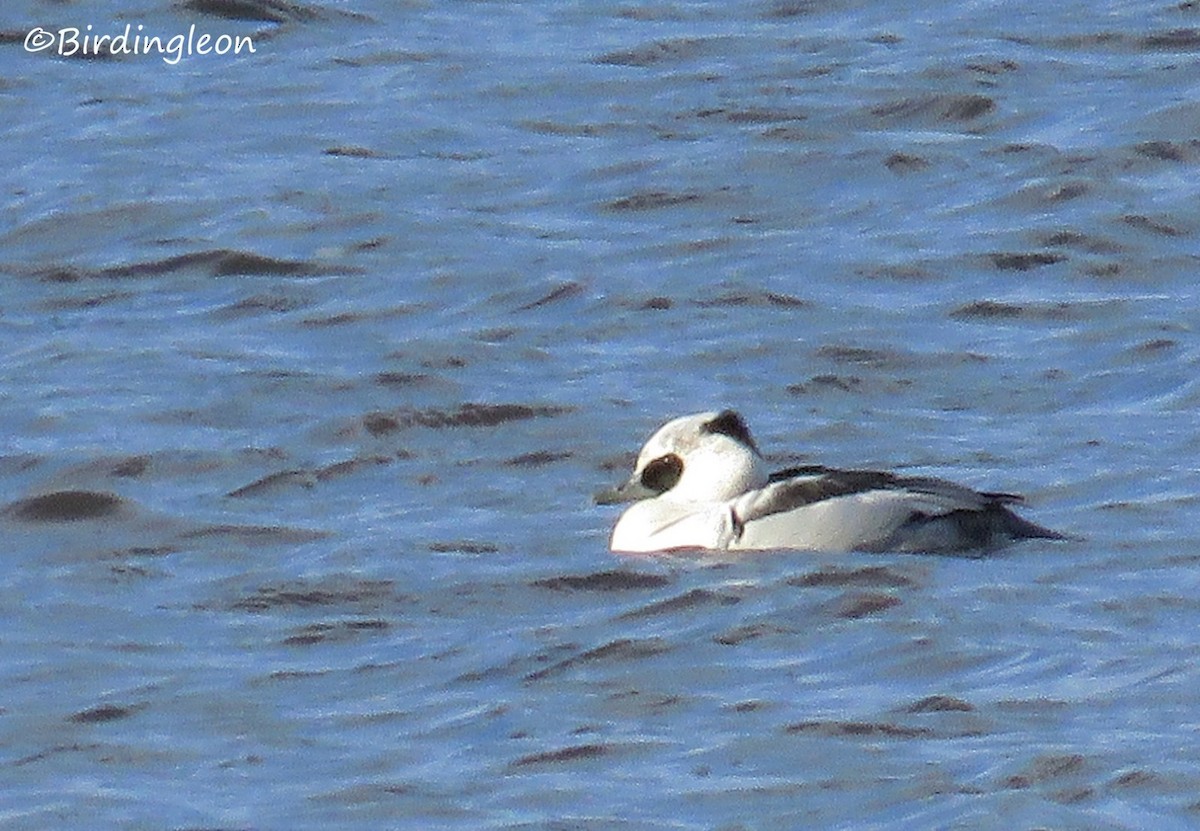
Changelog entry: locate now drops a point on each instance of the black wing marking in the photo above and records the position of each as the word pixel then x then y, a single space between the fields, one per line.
pixel 799 486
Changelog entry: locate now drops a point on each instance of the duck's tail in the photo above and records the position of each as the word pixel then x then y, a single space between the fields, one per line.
pixel 1020 528
pixel 966 530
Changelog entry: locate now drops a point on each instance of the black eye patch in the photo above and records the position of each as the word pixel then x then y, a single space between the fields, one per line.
pixel 728 423
pixel 663 473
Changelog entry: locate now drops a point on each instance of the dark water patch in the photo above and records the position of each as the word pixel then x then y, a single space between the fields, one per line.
pixel 466 415
pixel 620 463
pixel 762 115
pixel 546 127
pixel 1168 151
pixel 401 380
pixel 354 151
pixel 827 382
pixel 446 362
pixel 336 632
pixel 59 274
pixel 1153 226
pixel 462 547
pixel 638 703
pixel 259 304
pixel 618 651
pixel 347 318
pixel 538 458
pixel 652 200
pixel 256 534
pixel 485 415
pixel 935 108
pixel 753 705
pixel 293 675
pixel 57 750
pixel 380 424
pixel 1173 40
pixel 144 551
pixel 11 464
pixel 92 301
pixel 749 632
pixel 303 595
pixel 1033 706
pixel 656 53
pixel 655 304
pixel 700 246
pixel 246 263
pixel 1080 241
pixel 66 506
pixel 749 115
pixel 737 299
pixel 307 478
pixel 102 714
pixel 1095 40
pixel 260 11
pixel 860 605
pixel 127 572
pixel 1046 769
pixel 218 263
pixel 496 334
pixel 131 467
pixel 863 356
pixel 111 467
pixel 1104 270
pixel 347 467
pixel 562 292
pixel 284 479
pixel 1056 193
pixel 907 273
pixel 519 665
pixel 939 704
pixel 997 310
pixel 694 599
pixel 904 163
pixel 997 67
pixel 788 133
pixel 563 755
pixel 780 10
pixel 1025 261
pixel 858 729
pixel 1136 778
pixel 617 580
pixel 865 577
pixel 369 244
pixel 1154 347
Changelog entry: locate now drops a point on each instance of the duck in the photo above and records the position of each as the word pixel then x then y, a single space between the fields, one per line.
pixel 701 483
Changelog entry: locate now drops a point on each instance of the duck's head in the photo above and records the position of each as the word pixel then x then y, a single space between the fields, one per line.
pixel 708 457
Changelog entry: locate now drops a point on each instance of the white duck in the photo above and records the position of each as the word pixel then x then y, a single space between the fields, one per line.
pixel 701 483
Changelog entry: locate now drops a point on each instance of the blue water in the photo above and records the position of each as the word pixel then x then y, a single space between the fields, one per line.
pixel 313 357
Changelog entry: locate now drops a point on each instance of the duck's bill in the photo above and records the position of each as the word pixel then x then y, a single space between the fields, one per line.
pixel 631 491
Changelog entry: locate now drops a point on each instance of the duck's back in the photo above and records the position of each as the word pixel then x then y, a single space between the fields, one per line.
pixel 837 510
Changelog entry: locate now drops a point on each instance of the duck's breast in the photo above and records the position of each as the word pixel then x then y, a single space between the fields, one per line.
pixel 662 525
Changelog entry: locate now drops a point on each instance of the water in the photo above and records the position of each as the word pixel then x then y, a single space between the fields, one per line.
pixel 333 342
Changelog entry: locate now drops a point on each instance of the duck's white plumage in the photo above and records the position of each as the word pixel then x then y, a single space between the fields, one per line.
pixel 701 483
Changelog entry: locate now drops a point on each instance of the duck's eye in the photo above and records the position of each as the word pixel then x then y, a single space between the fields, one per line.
pixel 663 473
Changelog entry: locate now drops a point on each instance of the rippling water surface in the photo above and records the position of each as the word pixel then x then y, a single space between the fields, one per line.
pixel 313 357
